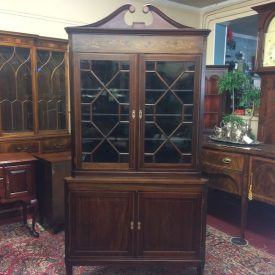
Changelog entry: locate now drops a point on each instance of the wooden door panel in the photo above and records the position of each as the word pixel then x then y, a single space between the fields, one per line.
pixel 263 179
pixel 101 223
pixel 170 224
pixel 19 181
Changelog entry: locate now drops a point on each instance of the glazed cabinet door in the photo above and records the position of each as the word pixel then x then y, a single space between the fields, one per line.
pixel 169 102
pixel 101 223
pixel 104 90
pixel 169 224
pixel 20 181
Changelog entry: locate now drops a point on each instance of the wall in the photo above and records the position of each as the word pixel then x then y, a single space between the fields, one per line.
pixel 221 13
pixel 49 18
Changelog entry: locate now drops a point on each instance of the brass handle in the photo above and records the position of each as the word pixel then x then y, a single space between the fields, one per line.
pixel 139 225
pixel 140 114
pixel 23 149
pixel 133 114
pixel 132 225
pixel 250 190
pixel 226 160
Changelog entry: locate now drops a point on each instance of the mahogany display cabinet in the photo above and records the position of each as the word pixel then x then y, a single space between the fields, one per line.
pixel 33 93
pixel 214 102
pixel 136 195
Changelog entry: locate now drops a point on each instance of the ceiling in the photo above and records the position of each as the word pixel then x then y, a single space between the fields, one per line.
pixel 199 3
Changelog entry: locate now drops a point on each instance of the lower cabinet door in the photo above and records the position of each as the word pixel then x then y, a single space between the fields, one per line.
pixel 19 181
pixel 262 180
pixel 169 224
pixel 101 223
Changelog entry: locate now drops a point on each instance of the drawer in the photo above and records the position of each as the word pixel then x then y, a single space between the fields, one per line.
pixel 31 147
pixel 56 145
pixel 224 160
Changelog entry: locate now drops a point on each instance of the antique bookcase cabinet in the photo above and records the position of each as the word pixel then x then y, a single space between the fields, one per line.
pixel 135 195
pixel 214 102
pixel 33 96
pixel 33 93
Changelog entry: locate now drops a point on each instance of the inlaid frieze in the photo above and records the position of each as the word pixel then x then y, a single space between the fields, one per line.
pixel 116 43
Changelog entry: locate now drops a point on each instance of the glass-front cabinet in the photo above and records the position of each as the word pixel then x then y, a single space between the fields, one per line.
pixel 136 194
pixel 33 93
pixel 105 99
pixel 137 126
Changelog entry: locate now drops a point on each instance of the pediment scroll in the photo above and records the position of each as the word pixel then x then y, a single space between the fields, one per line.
pixel 118 20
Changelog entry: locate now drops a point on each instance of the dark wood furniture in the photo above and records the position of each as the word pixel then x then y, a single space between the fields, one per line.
pixel 52 169
pixel 33 94
pixel 136 195
pixel 265 67
pixel 135 219
pixel 244 171
pixel 17 183
pixel 214 103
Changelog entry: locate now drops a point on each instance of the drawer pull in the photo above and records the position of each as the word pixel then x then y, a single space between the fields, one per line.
pixel 140 114
pixel 250 189
pixel 133 114
pixel 132 225
pixel 226 160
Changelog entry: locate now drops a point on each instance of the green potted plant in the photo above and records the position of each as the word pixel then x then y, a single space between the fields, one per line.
pixel 233 82
pixel 233 119
pixel 248 96
pixel 250 99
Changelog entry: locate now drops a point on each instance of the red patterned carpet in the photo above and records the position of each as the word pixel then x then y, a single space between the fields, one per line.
pixel 22 254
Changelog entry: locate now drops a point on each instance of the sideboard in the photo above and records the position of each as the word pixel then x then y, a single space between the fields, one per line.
pixel 246 171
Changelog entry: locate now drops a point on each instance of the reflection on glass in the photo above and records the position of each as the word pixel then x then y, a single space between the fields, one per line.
pixel 16 109
pixel 51 90
pixel 105 111
pixel 169 91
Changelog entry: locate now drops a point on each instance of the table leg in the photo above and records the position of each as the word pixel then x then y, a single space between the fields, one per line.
pixel 244 206
pixel 34 205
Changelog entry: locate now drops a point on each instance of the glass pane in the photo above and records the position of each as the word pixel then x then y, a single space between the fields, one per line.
pixel 167 154
pixel 105 110
pixel 169 89
pixel 51 87
pixel 16 108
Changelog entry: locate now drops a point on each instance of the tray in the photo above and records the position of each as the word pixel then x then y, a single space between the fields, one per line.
pixel 254 143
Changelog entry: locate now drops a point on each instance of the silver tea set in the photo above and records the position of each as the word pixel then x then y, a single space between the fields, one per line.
pixel 233 132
